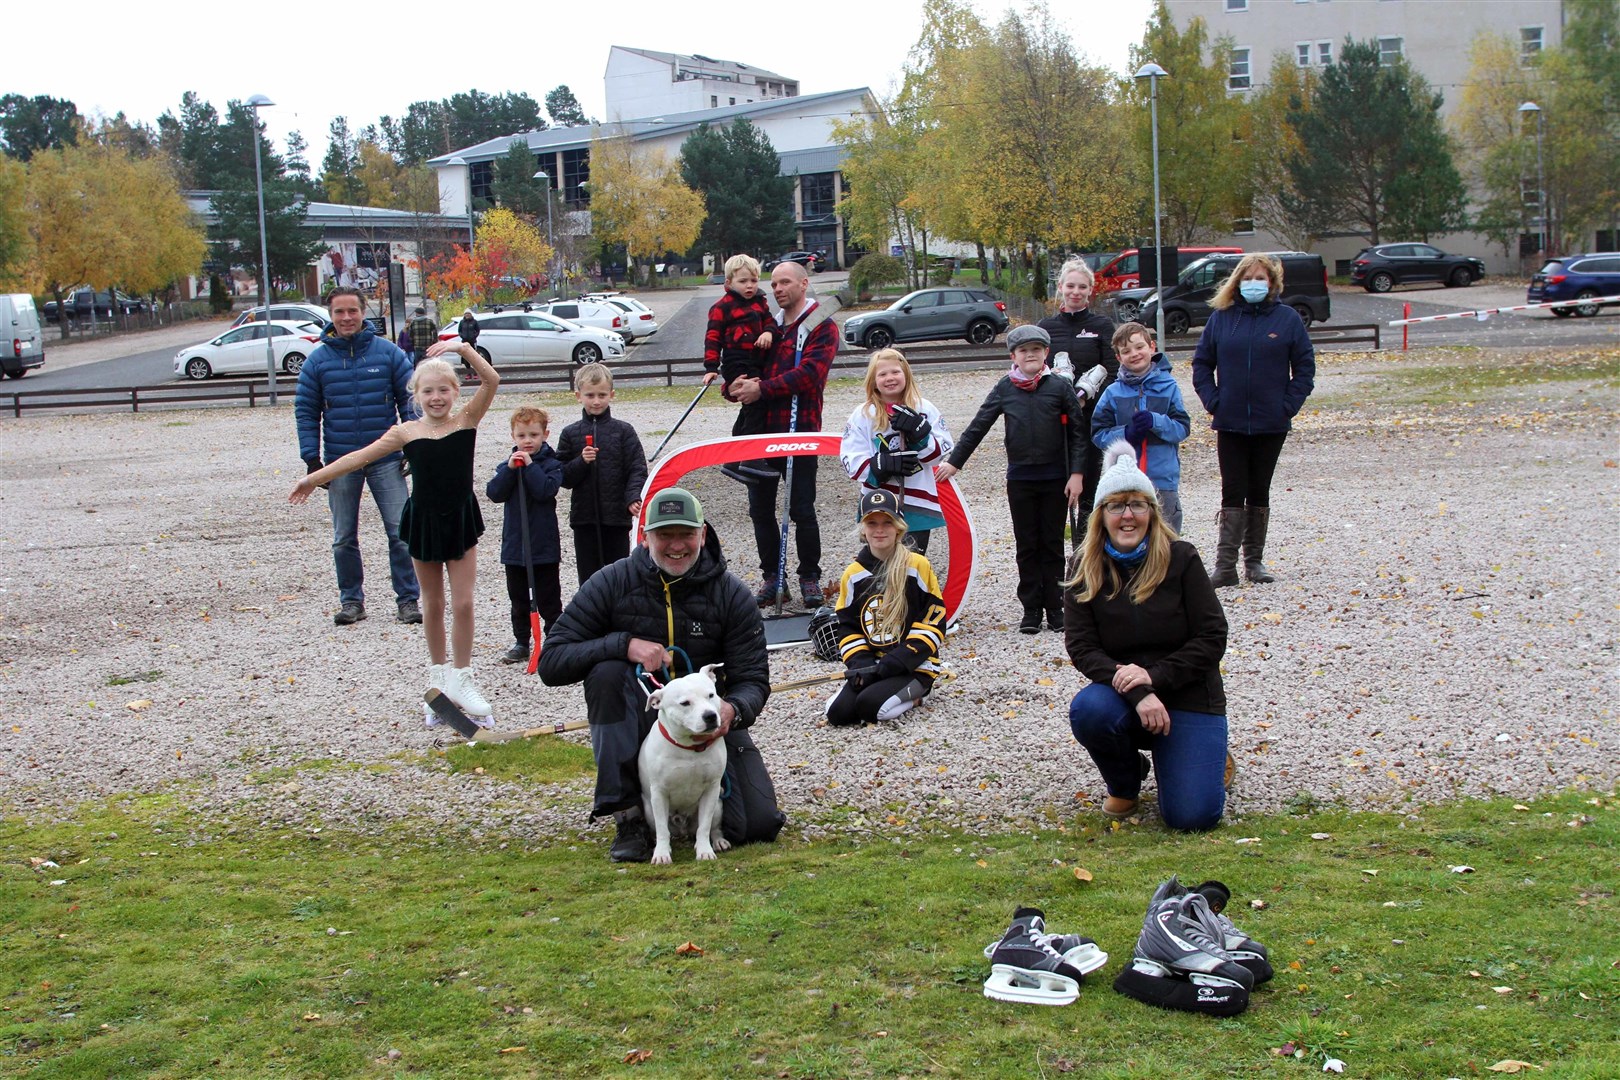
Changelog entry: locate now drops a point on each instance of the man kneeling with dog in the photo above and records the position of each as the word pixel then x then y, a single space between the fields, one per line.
pixel 668 610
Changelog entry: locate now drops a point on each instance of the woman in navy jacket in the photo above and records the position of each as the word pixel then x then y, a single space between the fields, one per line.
pixel 1253 369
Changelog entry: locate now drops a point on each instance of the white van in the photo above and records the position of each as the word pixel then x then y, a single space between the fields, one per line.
pixel 21 344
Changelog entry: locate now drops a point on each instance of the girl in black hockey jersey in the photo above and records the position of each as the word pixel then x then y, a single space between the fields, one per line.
pixel 891 621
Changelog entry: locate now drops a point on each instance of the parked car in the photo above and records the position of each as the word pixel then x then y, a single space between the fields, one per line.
pixel 640 322
pixel 1123 271
pixel 1379 269
pixel 597 313
pixel 240 350
pixel 930 315
pixel 314 313
pixel 528 337
pixel 84 302
pixel 814 261
pixel 22 346
pixel 1576 277
pixel 1186 303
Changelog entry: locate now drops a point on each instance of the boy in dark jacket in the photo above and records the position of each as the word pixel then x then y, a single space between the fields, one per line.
pixel 605 466
pixel 1046 441
pixel 533 465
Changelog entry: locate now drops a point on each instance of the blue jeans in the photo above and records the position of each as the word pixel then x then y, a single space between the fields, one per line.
pixel 387 485
pixel 1190 761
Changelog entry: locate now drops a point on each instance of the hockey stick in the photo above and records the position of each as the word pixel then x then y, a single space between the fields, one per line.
pixel 678 423
pixel 1074 508
pixel 528 566
pixel 787 504
pixel 945 675
pixel 596 500
pixel 458 721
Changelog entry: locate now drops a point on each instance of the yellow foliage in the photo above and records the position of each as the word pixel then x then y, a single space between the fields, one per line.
pixel 638 199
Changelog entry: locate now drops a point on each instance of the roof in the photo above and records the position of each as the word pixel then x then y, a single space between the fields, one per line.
pixel 709 63
pixel 322 215
pixel 581 136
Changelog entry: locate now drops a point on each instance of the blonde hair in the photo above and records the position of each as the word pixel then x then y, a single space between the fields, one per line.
pixel 892 575
pixel 741 262
pixel 874 400
pixel 1227 294
pixel 1077 266
pixel 591 375
pixel 1094 570
pixel 428 369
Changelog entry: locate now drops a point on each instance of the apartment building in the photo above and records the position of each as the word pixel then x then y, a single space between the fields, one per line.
pixel 642 82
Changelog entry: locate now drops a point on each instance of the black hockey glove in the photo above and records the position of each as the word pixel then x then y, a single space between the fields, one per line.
pixel 897 462
pixel 861 676
pixel 910 423
pixel 892 667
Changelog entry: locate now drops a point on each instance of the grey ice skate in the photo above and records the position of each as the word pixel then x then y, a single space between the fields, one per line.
pixel 1024 966
pixel 1180 960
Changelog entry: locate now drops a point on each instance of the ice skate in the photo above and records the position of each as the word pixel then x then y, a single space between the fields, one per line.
pixel 460 688
pixel 1244 949
pixel 1076 949
pixel 1024 967
pixel 1180 961
pixel 435 682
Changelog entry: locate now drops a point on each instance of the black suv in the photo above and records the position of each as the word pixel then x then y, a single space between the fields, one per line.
pixel 1379 269
pixel 814 261
pixel 79 305
pixel 1186 303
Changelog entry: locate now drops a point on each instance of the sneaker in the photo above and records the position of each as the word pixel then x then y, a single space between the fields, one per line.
pixel 1024 966
pixel 766 596
pixel 1030 623
pixel 810 592
pixel 516 653
pixel 630 842
pixel 351 612
pixel 409 611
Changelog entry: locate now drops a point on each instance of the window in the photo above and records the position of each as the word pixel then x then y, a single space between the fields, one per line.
pixel 482 174
pixel 816 194
pixel 565 311
pixel 1324 53
pixel 502 322
pixel 1529 45
pixel 1389 50
pixel 1243 226
pixel 1302 54
pixel 1237 76
pixel 731 101
pixel 714 101
pixel 576 170
pixel 1237 5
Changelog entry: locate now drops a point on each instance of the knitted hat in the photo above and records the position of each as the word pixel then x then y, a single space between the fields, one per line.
pixel 1120 474
pixel 879 501
pixel 674 506
pixel 1028 332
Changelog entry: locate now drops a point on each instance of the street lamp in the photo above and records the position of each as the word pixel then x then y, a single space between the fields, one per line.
pixel 551 238
pixel 1541 177
pixel 1153 73
pixel 257 102
pixel 463 163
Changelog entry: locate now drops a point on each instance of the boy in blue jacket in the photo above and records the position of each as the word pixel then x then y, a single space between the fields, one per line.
pixel 534 464
pixel 1144 407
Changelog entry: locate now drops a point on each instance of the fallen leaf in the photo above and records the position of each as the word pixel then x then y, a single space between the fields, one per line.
pixel 1082 874
pixel 1503 989
pixel 1247 840
pixel 312 1016
pixel 1462 869
pixel 980 862
pixel 1321 836
pixel 1370 873
pixel 514 1049
pixel 1259 905
pixel 1520 806
pixel 1043 681
pixel 1512 1065
pixel 688 949
pixel 137 706
pixel 636 1057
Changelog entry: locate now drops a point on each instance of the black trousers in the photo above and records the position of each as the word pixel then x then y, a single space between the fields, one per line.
pixel 1038 508
pixel 588 558
pixel 801 511
pixel 548 592
pixel 1091 471
pixel 1247 465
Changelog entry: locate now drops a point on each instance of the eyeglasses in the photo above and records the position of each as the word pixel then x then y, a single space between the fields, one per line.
pixel 1135 506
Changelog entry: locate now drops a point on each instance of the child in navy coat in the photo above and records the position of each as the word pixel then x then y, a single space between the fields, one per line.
pixel 535 465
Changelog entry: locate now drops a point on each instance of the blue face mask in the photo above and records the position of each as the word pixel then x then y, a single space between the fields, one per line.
pixel 1254 291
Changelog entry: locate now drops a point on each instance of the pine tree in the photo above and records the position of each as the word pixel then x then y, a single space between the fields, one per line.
pixel 750 204
pixel 564 109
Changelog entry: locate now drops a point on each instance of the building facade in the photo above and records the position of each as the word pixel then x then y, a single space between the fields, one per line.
pixel 642 82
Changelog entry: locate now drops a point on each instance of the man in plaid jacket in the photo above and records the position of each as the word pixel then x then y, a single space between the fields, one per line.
pixel 813 342
pixel 423 333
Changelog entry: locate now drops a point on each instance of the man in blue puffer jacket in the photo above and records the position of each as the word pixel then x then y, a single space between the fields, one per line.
pixel 352 389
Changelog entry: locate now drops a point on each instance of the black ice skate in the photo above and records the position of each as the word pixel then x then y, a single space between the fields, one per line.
pixel 1180 961
pixel 1244 949
pixel 1024 967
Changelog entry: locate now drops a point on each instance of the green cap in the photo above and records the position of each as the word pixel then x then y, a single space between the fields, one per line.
pixel 674 506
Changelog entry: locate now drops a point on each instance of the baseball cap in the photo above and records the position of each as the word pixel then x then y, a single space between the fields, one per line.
pixel 879 501
pixel 1028 332
pixel 674 506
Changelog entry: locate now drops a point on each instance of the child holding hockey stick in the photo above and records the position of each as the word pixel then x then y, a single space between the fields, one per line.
pixel 441 522
pixel 893 441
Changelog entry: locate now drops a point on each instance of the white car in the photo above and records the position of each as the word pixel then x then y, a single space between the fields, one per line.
pixel 241 350
pixel 528 337
pixel 640 322
pixel 597 313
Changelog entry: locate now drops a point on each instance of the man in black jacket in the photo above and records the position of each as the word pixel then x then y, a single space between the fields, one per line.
pixel 671 593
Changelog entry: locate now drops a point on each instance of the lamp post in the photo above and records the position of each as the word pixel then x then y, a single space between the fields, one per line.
pixel 257 102
pixel 1541 176
pixel 551 238
pixel 1153 73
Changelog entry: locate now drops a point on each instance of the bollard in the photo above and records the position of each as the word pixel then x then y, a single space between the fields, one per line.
pixel 1406 313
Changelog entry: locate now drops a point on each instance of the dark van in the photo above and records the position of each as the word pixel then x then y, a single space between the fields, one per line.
pixel 1186 303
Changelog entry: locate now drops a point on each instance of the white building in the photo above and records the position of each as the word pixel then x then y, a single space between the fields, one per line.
pixel 641 82
pixel 1433 35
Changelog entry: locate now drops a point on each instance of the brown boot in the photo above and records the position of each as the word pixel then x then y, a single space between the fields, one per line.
pixel 1230 522
pixel 1255 519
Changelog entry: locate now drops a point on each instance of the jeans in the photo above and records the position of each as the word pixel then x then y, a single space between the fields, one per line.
pixel 1190 761
pixel 387 485
pixel 801 511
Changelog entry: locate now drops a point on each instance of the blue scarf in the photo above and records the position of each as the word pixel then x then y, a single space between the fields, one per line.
pixel 1130 378
pixel 1126 558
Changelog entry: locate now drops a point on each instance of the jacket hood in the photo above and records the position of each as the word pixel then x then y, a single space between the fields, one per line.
pixel 359 343
pixel 711 563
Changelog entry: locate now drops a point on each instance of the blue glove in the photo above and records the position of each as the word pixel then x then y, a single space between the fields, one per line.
pixel 1140 427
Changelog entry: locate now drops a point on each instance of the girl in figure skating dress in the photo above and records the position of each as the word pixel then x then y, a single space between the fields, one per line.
pixel 441 522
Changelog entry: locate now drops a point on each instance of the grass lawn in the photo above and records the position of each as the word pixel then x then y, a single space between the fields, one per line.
pixel 166 946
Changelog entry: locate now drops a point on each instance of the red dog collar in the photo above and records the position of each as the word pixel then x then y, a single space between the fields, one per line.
pixel 698 749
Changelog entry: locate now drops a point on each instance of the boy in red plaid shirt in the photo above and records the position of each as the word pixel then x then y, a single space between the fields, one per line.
pixel 737 344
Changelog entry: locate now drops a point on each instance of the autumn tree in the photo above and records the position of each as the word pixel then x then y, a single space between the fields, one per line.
pixel 882 165
pixel 749 202
pixel 14 238
pixel 504 246
pixel 1269 140
pixel 639 200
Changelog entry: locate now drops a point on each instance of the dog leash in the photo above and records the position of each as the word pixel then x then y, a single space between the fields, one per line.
pixel 649 681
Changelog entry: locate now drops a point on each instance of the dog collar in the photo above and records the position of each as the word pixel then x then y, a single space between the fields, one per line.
pixel 698 749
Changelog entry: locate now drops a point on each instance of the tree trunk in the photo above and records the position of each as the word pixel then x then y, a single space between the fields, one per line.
pixel 984 267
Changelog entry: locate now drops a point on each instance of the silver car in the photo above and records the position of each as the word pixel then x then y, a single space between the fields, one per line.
pixel 528 337
pixel 930 315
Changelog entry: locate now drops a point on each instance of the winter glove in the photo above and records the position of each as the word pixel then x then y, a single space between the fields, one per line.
pixel 1090 384
pixel 910 423
pixel 897 462
pixel 1140 427
pixel 860 676
pixel 891 667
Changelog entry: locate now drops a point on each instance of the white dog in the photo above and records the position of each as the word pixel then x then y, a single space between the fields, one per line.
pixel 681 762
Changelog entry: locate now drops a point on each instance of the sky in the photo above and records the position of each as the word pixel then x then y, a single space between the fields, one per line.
pixel 369 60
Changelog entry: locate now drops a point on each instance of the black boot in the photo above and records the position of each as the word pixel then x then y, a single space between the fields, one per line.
pixel 1226 547
pixel 1255 519
pixel 631 843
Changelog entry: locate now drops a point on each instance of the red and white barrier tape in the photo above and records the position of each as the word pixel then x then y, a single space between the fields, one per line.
pixel 1484 313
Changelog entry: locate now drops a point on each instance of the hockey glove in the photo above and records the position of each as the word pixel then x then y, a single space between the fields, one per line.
pixel 860 676
pixel 1140 427
pixel 898 462
pixel 910 423
pixel 1090 384
pixel 891 667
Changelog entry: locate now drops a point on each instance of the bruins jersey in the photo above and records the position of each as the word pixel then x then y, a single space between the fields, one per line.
pixel 860 605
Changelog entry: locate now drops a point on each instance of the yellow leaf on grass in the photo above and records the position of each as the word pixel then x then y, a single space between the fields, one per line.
pixel 1512 1065
pixel 636 1057
pixel 514 1049
pixel 312 1016
pixel 980 862
pixel 1082 874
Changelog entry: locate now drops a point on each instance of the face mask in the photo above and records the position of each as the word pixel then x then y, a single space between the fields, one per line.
pixel 1254 291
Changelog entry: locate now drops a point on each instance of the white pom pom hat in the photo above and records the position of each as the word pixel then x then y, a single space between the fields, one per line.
pixel 1120 474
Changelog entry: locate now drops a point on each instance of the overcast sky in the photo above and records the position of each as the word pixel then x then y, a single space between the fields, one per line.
pixel 365 60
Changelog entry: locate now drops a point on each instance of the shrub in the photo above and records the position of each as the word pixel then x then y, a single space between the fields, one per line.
pixel 219 297
pixel 873 270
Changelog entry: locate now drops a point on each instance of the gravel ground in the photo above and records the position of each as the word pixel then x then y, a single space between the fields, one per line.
pixel 1443 626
